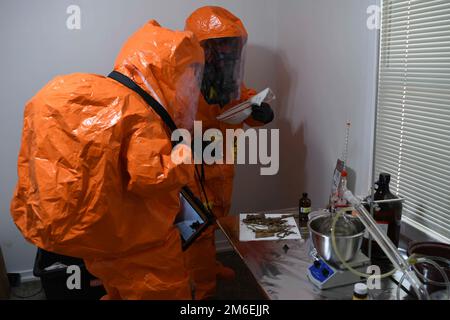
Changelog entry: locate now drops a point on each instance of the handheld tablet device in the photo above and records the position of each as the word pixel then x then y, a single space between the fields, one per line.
pixel 193 218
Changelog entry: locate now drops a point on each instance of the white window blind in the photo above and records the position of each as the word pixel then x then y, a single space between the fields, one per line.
pixel 413 117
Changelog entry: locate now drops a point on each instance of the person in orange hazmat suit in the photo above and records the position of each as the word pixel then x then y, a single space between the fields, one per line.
pixel 96 178
pixel 223 38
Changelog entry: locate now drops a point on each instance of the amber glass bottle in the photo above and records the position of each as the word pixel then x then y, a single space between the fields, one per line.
pixel 388 215
pixel 304 207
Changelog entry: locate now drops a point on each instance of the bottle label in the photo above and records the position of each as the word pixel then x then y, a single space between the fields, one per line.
pixel 382 225
pixel 305 210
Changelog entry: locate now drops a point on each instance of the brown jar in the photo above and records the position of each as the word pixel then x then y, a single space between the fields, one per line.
pixel 388 216
pixel 304 207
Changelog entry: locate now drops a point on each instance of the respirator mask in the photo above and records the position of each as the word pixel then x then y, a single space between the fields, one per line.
pixel 223 73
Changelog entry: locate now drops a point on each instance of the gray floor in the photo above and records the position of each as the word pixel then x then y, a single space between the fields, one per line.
pixel 243 287
pixel 28 291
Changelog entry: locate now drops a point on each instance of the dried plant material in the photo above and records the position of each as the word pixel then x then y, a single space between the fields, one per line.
pixel 264 227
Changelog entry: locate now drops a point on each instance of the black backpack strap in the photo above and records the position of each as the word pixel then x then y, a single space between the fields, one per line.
pixel 155 105
pixel 158 108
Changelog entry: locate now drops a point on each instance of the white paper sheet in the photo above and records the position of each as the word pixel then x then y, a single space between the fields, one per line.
pixel 242 111
pixel 245 234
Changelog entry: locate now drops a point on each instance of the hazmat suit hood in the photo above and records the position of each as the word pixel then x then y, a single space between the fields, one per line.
pixel 223 38
pixel 211 22
pixel 168 65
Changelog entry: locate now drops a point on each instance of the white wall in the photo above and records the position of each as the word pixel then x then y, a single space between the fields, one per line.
pixel 36 46
pixel 326 74
pixel 316 54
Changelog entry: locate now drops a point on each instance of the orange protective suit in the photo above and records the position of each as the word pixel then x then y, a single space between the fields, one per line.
pixel 96 179
pixel 211 23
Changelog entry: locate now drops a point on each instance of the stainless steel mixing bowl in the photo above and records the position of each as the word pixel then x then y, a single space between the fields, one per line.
pixel 348 246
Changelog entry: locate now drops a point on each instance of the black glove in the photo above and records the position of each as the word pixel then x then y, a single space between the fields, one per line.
pixel 263 113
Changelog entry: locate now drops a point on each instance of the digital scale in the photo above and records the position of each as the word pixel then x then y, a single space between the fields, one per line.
pixel 325 275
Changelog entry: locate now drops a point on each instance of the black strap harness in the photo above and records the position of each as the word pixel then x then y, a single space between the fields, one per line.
pixel 162 113
pixel 151 102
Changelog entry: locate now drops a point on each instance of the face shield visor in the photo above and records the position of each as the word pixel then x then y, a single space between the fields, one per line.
pixel 224 69
pixel 187 91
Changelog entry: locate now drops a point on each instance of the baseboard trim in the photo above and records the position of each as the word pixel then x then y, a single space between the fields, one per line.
pixel 27 276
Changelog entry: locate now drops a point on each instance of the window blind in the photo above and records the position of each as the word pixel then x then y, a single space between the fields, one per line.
pixel 413 113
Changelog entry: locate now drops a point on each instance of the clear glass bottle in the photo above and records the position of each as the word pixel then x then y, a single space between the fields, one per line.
pixel 340 201
pixel 360 292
